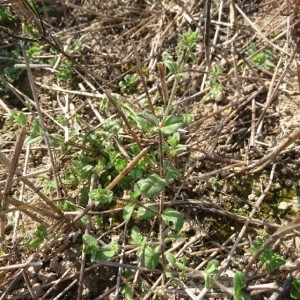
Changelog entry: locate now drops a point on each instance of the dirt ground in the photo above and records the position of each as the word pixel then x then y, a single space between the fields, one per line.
pixel 239 175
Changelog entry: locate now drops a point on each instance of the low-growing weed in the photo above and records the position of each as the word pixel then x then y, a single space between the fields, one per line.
pixel 64 71
pixel 127 85
pixel 270 258
pixel 214 82
pixel 261 58
pixel 17 118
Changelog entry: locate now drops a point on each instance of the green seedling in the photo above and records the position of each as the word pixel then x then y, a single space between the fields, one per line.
pixel 34 50
pixel 215 183
pixel 148 255
pixel 76 47
pixel 17 118
pixel 238 286
pixel 176 263
pixel 5 16
pixel 36 134
pixel 187 44
pixel 10 73
pixel 214 83
pixel 49 185
pixel 37 239
pixel 65 71
pixel 184 51
pixel 295 290
pixel 127 85
pixel 210 270
pixel 261 58
pixel 272 260
pixel 91 247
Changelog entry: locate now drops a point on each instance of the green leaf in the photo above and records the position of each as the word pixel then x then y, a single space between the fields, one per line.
pixel 211 269
pixel 150 257
pixel 101 196
pixel 169 63
pixel 295 290
pixel 151 186
pixel 127 292
pixel 90 245
pixel 127 211
pixel 107 251
pixel 171 258
pixel 56 139
pixel 172 218
pixel 32 140
pixel 174 139
pixel 136 236
pixel 238 282
pixel 171 125
pixel 238 286
pixel 146 121
pixel 147 211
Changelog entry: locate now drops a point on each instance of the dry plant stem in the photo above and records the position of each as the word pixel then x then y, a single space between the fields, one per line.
pixel 114 182
pixel 23 265
pixel 207 33
pixel 43 125
pixel 258 31
pixel 29 209
pixel 252 132
pixel 22 189
pixel 6 162
pixel 120 270
pixel 65 290
pixel 247 222
pixel 271 96
pixel 56 282
pixel 283 289
pixel 9 180
pixel 87 231
pixel 280 233
pixel 11 285
pixel 139 65
pixel 162 77
pixel 235 103
pixel 266 160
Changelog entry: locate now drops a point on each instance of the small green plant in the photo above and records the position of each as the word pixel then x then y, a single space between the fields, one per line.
pixel 34 50
pixel 10 73
pixel 91 247
pixel 148 256
pixel 272 260
pixel 127 85
pixel 210 270
pixel 176 263
pixel 36 134
pixel 187 44
pixel 238 286
pixel 17 118
pixel 214 83
pixel 215 183
pixel 295 290
pixel 5 16
pixel 76 47
pixel 49 185
pixel 261 58
pixel 184 51
pixel 37 239
pixel 65 71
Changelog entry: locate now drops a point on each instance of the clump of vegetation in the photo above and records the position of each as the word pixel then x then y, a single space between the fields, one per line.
pixel 132 173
